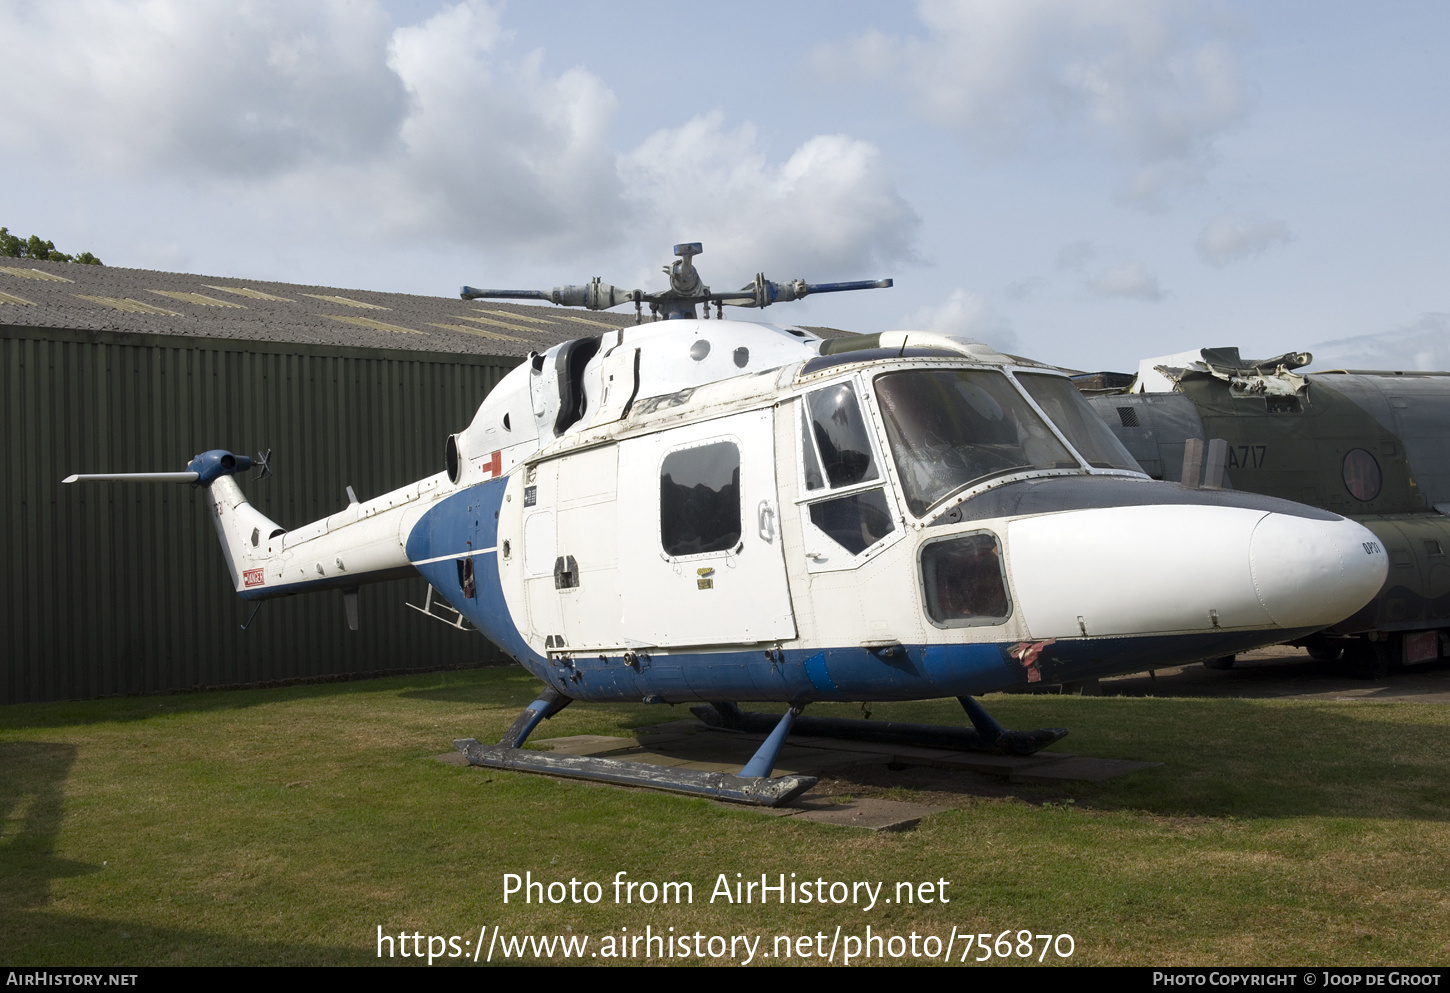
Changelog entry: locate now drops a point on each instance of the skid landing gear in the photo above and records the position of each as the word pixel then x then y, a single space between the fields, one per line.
pixel 753 786
pixel 985 734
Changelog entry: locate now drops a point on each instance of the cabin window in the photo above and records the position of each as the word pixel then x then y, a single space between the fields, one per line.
pixel 700 499
pixel 963 581
pixel 1362 475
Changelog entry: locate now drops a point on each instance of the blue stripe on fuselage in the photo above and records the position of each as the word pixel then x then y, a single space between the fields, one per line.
pixel 460 526
pixel 913 672
pixel 466 524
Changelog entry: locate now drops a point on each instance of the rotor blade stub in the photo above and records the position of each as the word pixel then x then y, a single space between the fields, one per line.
pixel 133 477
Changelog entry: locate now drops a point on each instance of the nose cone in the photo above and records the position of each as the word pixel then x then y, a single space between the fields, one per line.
pixel 1312 573
pixel 1179 569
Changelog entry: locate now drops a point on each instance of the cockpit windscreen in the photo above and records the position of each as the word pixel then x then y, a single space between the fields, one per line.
pixel 949 428
pixel 1093 439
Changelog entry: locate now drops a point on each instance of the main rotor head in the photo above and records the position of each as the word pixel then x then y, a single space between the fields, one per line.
pixel 686 291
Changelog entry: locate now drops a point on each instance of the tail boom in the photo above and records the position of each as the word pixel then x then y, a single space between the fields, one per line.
pixel 363 543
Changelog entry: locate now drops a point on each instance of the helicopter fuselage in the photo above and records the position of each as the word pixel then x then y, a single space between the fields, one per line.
pixel 712 510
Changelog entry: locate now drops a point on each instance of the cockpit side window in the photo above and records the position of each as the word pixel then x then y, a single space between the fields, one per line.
pixel 855 522
pixel 815 479
pixel 1094 440
pixel 839 463
pixel 841 436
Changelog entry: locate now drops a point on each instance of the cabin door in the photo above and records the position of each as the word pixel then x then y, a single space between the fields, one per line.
pixel 703 563
pixel 571 572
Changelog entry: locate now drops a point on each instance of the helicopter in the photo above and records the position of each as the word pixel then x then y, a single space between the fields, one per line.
pixel 709 511
pixel 1371 445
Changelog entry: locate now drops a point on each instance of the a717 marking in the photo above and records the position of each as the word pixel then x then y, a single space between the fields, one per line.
pixel 1246 456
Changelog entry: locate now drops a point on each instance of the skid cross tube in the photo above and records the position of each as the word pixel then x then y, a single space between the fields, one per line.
pixel 752 787
pixel 985 736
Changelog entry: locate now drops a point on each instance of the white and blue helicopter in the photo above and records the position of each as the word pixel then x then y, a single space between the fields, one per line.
pixel 714 512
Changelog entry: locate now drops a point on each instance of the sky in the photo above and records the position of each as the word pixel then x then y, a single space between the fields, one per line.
pixel 1087 182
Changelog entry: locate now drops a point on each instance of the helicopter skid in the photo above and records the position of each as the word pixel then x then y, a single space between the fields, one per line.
pixel 760 791
pixel 961 739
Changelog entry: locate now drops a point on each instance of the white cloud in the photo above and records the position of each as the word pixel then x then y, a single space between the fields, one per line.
pixel 494 151
pixel 324 122
pixel 829 212
pixel 964 315
pixel 1234 237
pixel 1423 346
pixel 243 89
pixel 1130 280
pixel 1153 80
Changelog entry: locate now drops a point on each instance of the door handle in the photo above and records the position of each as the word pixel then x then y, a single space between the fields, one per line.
pixel 765 520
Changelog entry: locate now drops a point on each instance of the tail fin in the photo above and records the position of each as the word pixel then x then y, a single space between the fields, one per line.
pixel 244 532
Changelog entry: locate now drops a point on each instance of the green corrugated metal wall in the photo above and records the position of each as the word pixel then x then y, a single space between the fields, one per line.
pixel 114 588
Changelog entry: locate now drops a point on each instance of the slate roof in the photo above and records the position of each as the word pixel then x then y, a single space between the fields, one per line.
pixel 107 298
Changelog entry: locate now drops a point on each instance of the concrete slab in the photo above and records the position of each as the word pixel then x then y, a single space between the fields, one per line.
pixel 671 739
pixel 674 761
pixel 872 814
pixel 868 813
pixel 686 725
pixel 588 744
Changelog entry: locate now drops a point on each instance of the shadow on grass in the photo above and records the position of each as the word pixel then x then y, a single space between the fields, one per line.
pixel 477 685
pixel 1225 757
pixel 1221 756
pixel 510 686
pixel 31 795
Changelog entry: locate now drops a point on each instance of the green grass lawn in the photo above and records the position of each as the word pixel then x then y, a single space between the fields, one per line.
pixel 285 826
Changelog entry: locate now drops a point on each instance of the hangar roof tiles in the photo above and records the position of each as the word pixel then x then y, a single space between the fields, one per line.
pixel 108 298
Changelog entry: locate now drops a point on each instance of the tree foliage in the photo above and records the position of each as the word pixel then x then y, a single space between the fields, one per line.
pixel 14 247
